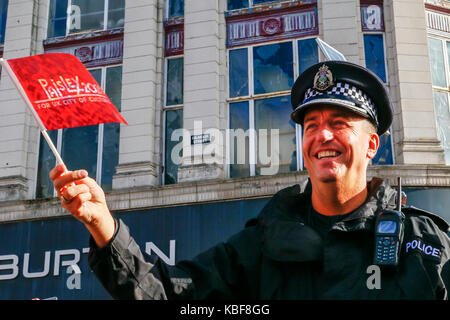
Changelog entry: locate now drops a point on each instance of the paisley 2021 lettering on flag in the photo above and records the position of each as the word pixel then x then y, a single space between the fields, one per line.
pixel 62 91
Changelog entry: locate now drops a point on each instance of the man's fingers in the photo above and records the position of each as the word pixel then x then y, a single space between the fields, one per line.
pixel 76 202
pixel 88 181
pixel 68 178
pixel 71 192
pixel 57 171
pixel 94 188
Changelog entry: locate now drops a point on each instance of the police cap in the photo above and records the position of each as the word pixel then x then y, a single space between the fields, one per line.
pixel 346 85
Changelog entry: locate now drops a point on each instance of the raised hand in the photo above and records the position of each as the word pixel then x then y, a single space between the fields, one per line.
pixel 85 200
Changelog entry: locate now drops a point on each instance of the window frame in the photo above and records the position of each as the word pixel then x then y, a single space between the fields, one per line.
pixel 384 52
pixel 446 62
pixel 58 143
pixel 3 22
pixel 167 11
pixel 252 5
pixel 68 11
pixel 446 54
pixel 168 108
pixel 381 32
pixel 252 97
pixel 383 35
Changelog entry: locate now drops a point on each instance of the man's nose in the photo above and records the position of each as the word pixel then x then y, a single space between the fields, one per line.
pixel 325 134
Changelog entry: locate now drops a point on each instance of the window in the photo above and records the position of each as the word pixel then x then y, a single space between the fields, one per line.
pixel 239 4
pixel 3 15
pixel 173 121
pixel 274 113
pixel 440 76
pixel 260 79
pixel 73 16
pixel 255 2
pixel 239 150
pixel 437 58
pixel 273 67
pixel 175 8
pixel 173 85
pixel 374 52
pixel 173 117
pixel 376 62
pixel 372 25
pixel 94 148
pixel 174 92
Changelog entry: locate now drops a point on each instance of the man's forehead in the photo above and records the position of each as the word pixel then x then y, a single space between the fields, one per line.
pixel 331 111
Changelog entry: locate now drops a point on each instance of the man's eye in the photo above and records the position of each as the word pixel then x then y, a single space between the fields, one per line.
pixel 339 123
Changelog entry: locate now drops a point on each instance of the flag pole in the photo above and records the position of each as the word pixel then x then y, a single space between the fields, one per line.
pixel 16 82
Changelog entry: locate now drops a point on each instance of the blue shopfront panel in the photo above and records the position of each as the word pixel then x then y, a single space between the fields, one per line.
pixel 36 256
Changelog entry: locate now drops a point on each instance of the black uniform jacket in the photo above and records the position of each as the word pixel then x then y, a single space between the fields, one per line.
pixel 281 257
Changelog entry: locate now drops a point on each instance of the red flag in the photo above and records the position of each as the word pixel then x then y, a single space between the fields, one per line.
pixel 62 92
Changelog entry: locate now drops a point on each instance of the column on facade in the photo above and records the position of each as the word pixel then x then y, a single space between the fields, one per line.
pixel 341 27
pixel 137 163
pixel 203 151
pixel 25 30
pixel 414 118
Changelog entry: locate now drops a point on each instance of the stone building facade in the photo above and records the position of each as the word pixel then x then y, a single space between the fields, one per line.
pixel 204 86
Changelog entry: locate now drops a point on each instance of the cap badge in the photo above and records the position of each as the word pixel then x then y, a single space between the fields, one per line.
pixel 323 79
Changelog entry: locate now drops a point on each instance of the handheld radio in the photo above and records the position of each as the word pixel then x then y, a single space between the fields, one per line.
pixel 389 231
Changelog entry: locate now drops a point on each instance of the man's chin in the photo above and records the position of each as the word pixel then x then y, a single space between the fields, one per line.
pixel 331 179
pixel 325 178
pixel 325 175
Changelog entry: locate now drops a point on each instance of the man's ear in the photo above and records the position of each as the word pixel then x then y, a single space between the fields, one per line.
pixel 374 143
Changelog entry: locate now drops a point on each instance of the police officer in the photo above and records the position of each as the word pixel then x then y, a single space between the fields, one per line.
pixel 314 241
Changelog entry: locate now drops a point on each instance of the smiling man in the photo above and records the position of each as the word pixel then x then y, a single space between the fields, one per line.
pixel 315 241
pixel 340 134
pixel 337 148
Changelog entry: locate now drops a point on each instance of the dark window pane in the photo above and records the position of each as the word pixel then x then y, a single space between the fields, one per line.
pixel 79 149
pixel 111 131
pixel 97 74
pixel 174 121
pixel 176 8
pixel 86 15
pixel 44 187
pixel 113 85
pixel 238 73
pixel 448 52
pixel 438 75
pixel 384 154
pixel 110 155
pixel 273 67
pixel 116 11
pixel 174 94
pixel 262 1
pixel 374 52
pixel 308 54
pixel 3 15
pixel 57 18
pixel 239 140
pixel 274 113
pixel 237 4
pixel 441 106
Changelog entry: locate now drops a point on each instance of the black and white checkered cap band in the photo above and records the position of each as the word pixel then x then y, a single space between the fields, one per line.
pixel 346 90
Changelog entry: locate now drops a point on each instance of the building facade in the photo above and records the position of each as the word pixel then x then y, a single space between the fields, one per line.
pixel 204 87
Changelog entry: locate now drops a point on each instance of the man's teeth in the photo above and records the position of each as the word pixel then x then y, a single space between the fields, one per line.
pixel 325 154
